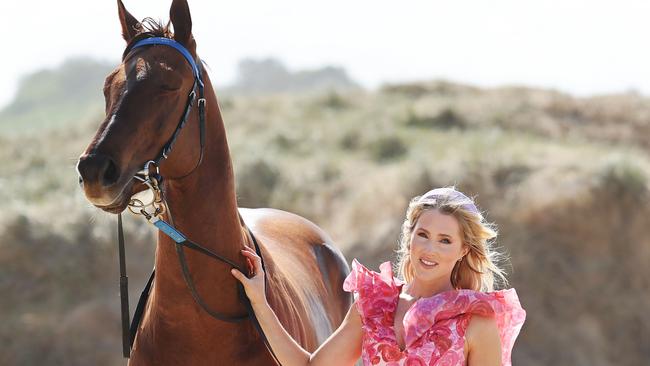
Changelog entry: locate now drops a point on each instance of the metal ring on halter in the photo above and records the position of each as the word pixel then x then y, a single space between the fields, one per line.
pixel 146 168
pixel 137 206
pixel 152 183
pixel 153 190
pixel 134 205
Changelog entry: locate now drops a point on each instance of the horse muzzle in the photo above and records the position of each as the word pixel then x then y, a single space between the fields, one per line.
pixel 100 177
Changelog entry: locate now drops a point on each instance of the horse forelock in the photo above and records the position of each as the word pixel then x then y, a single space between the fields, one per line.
pixel 149 28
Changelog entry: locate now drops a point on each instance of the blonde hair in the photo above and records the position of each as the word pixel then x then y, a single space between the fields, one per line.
pixel 477 270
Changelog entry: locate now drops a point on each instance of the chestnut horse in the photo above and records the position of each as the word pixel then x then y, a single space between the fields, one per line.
pixel 145 97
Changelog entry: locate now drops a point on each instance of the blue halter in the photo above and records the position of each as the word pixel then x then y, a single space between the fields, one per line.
pixel 179 47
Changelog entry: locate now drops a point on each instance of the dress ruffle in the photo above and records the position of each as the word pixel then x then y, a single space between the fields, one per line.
pixel 434 327
pixel 371 287
pixel 503 305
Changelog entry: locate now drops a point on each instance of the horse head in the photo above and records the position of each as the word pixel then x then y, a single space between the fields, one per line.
pixel 145 97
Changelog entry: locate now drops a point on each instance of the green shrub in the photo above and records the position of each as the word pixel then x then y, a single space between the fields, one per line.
pixel 255 183
pixel 414 90
pixel 510 174
pixel 446 119
pixel 351 140
pixel 334 100
pixel 622 178
pixel 388 148
pixel 330 172
pixel 284 142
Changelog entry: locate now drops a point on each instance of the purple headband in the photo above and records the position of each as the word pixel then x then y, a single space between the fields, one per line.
pixel 453 194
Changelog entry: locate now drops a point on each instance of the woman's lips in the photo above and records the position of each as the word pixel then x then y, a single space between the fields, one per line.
pixel 428 263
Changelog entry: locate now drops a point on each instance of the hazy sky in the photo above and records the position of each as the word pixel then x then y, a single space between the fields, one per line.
pixel 583 47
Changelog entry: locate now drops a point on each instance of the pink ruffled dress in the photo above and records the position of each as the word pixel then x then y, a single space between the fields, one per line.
pixel 434 327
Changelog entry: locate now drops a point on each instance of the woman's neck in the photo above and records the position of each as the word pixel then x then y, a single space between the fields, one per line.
pixel 419 289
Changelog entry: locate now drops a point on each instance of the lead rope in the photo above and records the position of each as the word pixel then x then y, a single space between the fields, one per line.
pixel 240 288
pixel 124 291
pixel 188 278
pixel 128 334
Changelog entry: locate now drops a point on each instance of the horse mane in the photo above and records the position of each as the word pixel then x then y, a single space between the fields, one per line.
pixel 149 28
pixel 154 27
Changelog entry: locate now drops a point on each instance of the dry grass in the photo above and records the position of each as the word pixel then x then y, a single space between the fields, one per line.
pixel 565 179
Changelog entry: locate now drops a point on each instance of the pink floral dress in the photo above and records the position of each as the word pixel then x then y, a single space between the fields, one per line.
pixel 434 327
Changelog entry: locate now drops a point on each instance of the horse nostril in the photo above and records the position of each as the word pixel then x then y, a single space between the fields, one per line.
pixel 111 173
pixel 97 169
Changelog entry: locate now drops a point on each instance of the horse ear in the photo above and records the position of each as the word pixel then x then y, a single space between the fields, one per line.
pixel 130 25
pixel 179 14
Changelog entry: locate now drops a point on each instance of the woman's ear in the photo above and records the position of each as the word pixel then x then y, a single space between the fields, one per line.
pixel 465 250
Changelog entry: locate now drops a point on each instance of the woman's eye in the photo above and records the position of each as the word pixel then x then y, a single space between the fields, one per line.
pixel 446 241
pixel 422 235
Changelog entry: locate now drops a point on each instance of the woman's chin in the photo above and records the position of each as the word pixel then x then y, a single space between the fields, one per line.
pixel 430 274
pixel 425 276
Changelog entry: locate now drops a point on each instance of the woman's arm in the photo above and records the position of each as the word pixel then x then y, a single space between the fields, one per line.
pixel 343 347
pixel 484 343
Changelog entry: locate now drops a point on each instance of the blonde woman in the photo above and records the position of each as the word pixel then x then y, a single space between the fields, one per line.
pixel 443 310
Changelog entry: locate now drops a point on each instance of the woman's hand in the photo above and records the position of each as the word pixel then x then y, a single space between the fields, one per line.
pixel 343 347
pixel 254 286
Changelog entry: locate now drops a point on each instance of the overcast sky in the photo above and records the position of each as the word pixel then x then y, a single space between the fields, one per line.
pixel 582 47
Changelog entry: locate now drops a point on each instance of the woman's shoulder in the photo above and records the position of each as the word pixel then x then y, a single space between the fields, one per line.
pixel 481 327
pixel 495 319
pixel 483 339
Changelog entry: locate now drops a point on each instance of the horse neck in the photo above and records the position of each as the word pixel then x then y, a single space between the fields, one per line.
pixel 203 206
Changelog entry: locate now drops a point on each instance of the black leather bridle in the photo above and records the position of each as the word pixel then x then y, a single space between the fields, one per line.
pixel 153 180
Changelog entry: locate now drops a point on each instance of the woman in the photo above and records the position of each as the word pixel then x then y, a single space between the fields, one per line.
pixel 445 312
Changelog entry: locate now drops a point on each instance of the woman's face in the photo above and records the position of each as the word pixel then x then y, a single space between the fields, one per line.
pixel 435 247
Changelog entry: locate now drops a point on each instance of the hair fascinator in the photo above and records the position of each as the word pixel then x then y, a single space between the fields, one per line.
pixel 451 194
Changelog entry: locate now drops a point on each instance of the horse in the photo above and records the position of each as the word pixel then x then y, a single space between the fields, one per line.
pixel 144 97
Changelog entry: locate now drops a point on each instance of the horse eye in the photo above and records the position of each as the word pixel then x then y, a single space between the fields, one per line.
pixel 169 83
pixel 169 88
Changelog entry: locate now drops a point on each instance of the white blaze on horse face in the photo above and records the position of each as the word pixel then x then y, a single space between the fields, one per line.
pixel 165 67
pixel 104 133
pixel 142 69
